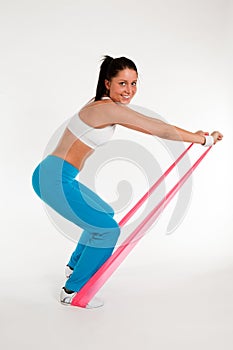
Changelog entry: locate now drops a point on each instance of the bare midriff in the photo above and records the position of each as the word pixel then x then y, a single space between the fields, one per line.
pixel 73 150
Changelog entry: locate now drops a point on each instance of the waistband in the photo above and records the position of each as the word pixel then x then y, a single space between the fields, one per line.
pixel 56 164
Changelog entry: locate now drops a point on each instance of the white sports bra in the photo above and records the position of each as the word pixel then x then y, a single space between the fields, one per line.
pixel 93 137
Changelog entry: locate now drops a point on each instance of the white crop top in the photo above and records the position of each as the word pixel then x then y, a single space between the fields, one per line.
pixel 93 137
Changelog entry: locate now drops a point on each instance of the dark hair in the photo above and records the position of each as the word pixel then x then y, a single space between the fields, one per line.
pixel 109 68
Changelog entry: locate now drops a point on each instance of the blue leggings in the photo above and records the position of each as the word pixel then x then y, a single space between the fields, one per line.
pixel 54 182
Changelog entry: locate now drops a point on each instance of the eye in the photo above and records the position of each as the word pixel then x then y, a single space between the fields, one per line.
pixel 134 83
pixel 122 83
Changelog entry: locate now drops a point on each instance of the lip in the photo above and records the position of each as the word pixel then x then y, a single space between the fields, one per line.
pixel 125 99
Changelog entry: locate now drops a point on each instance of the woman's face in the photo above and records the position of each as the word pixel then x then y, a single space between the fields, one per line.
pixel 122 87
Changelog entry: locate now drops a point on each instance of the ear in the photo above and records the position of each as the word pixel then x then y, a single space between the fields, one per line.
pixel 107 84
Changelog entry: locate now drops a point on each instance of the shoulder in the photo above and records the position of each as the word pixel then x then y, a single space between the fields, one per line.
pixel 99 113
pixel 106 112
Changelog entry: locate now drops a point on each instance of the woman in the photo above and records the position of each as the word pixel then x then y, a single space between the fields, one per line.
pixel 54 178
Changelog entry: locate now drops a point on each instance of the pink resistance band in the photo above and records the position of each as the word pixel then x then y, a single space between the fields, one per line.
pixel 89 290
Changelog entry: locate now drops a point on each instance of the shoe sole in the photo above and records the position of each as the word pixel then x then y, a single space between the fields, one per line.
pixel 95 304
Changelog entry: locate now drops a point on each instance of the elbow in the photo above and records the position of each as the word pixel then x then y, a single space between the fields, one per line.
pixel 166 131
pixel 170 132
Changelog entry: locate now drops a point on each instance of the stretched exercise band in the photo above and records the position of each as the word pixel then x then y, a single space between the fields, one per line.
pixel 152 189
pixel 89 290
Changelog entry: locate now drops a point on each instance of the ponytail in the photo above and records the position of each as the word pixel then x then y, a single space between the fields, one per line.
pixel 109 68
pixel 101 89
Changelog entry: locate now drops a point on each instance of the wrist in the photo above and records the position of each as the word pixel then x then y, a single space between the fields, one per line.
pixel 204 140
pixel 209 141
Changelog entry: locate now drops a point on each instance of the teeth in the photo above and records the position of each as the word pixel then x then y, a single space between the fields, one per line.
pixel 125 96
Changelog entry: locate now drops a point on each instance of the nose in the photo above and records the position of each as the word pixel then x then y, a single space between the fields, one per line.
pixel 128 89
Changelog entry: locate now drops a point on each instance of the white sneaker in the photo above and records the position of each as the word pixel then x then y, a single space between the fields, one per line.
pixel 66 299
pixel 68 271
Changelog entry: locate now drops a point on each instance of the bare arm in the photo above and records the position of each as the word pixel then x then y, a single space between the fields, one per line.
pixel 111 113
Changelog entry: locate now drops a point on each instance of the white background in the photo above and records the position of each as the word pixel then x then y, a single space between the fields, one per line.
pixel 172 291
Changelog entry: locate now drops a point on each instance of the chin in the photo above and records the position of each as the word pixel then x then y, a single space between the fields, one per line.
pixel 125 101
pixel 121 100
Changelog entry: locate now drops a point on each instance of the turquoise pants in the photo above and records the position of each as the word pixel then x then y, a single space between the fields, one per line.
pixel 54 182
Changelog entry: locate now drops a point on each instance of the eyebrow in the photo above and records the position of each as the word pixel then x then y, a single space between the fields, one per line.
pixel 127 80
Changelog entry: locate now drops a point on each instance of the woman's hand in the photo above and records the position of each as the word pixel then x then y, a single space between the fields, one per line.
pixel 202 133
pixel 217 136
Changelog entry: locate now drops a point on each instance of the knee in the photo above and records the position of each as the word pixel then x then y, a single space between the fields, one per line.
pixel 106 237
pixel 114 228
pixel 117 230
pixel 112 235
